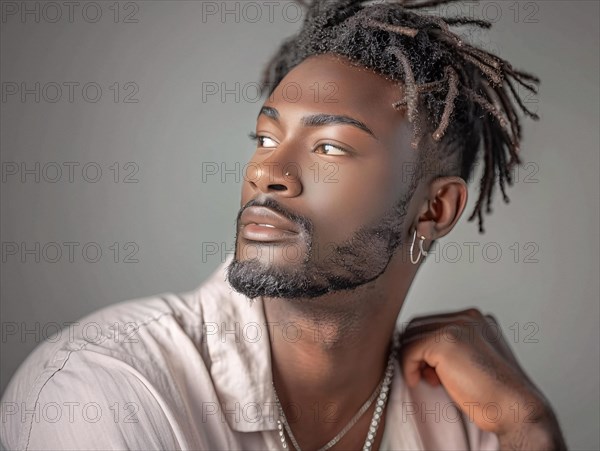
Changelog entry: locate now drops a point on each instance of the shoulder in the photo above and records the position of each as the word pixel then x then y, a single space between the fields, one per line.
pixel 442 424
pixel 85 385
pixel 114 378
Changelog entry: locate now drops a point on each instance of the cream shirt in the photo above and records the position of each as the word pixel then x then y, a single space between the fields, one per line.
pixel 192 372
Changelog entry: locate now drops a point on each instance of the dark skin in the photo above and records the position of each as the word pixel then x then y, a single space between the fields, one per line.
pixel 341 354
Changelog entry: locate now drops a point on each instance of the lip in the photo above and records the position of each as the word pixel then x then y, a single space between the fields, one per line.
pixel 264 224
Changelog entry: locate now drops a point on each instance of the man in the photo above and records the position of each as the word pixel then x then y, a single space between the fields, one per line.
pixel 292 343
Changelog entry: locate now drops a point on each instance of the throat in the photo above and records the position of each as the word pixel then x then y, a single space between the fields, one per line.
pixel 328 425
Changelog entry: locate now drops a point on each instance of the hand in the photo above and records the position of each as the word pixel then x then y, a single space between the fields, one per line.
pixel 466 352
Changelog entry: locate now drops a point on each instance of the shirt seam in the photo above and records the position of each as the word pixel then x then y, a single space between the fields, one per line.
pixel 29 424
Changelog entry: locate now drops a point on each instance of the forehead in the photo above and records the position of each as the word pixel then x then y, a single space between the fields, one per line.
pixel 331 84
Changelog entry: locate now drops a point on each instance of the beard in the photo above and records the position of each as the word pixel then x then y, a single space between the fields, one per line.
pixel 353 262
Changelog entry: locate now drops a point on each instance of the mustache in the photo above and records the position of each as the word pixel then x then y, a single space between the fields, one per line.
pixel 304 222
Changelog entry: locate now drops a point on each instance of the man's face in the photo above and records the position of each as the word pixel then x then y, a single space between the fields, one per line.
pixel 325 194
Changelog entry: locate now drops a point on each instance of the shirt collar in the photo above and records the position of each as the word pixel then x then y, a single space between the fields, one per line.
pixel 237 339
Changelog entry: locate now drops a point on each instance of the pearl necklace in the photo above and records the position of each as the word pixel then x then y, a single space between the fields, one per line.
pixel 381 392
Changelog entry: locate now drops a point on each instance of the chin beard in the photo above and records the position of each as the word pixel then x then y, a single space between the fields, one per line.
pixel 356 261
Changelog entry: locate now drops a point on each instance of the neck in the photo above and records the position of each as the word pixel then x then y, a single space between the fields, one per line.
pixel 329 354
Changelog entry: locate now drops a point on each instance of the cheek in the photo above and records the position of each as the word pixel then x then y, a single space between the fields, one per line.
pixel 356 195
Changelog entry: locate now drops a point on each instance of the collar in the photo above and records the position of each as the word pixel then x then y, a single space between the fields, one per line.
pixel 237 340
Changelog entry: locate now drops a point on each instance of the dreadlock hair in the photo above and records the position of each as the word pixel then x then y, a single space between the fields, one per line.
pixel 462 88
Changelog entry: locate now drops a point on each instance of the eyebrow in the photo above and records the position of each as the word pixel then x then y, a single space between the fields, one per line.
pixel 317 120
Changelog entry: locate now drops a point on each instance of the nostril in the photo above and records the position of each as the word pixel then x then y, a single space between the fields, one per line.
pixel 278 187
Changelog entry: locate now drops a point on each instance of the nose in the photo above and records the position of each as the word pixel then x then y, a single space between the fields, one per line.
pixel 271 176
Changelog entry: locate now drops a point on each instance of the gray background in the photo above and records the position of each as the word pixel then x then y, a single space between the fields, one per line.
pixel 546 296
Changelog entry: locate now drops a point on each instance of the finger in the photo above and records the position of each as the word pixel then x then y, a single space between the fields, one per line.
pixel 454 331
pixel 451 330
pixel 443 317
pixel 414 354
pixel 471 317
pixel 430 376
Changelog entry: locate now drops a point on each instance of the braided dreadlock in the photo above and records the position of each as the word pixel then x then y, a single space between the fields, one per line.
pixel 462 88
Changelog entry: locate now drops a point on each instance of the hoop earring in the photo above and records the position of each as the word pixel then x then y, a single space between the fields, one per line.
pixel 421 250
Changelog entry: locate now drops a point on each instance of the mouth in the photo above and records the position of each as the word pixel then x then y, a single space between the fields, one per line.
pixel 265 225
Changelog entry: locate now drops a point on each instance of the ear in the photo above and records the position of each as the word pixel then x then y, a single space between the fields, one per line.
pixel 444 204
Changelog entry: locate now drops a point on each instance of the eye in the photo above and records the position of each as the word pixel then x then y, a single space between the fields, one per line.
pixel 330 149
pixel 262 140
pixel 325 149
